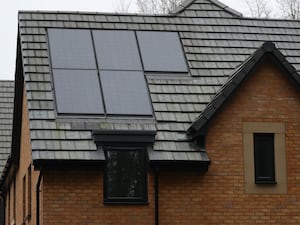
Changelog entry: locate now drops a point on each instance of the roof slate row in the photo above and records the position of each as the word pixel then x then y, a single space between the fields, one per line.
pixel 215 39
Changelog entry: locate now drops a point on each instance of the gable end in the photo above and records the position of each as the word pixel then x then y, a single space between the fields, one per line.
pixel 267 50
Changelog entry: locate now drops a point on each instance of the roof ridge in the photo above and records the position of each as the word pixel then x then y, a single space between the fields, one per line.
pixel 92 13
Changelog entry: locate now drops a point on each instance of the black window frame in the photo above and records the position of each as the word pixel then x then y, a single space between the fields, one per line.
pixel 141 200
pixel 260 170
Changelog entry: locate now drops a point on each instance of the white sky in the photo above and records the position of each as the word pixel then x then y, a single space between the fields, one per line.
pixel 9 14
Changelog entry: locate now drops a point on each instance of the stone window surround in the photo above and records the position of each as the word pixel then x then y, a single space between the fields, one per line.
pixel 249 128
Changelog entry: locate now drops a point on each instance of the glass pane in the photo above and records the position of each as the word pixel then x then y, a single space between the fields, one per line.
pixel 125 93
pixel 125 173
pixel 77 91
pixel 161 51
pixel 264 157
pixel 117 50
pixel 71 49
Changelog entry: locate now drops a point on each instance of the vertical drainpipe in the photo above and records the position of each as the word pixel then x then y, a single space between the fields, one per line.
pixel 156 189
pixel 38 186
pixel 3 202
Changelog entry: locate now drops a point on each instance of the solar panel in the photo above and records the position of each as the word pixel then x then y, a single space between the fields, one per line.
pixel 71 49
pixel 77 92
pixel 125 93
pixel 161 51
pixel 117 50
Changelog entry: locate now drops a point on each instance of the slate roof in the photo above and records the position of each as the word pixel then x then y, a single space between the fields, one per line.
pixel 216 40
pixel 6 114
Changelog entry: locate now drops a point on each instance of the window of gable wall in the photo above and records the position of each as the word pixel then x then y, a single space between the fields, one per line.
pixel 29 180
pixel 264 158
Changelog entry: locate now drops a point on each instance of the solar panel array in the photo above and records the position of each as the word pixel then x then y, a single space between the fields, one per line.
pixel 112 64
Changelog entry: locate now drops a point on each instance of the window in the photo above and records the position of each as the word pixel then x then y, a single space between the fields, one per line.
pixel 264 158
pixel 8 205
pixel 29 193
pixel 125 175
pixel 112 64
pixel 14 201
pixel 125 179
pixel 24 197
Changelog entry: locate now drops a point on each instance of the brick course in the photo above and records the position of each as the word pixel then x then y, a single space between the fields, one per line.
pixel 76 197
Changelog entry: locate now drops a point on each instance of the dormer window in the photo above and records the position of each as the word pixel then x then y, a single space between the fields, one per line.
pixel 125 178
pixel 126 164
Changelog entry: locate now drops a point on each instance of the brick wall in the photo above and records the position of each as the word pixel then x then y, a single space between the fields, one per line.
pixel 191 198
pixel 218 197
pixel 17 204
pixel 76 197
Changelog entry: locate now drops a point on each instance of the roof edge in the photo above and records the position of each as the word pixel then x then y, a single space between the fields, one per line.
pixel 198 127
pixel 13 162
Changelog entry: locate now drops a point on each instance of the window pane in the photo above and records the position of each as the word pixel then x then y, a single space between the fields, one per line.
pixel 161 51
pixel 125 174
pixel 71 49
pixel 125 93
pixel 264 158
pixel 77 91
pixel 117 50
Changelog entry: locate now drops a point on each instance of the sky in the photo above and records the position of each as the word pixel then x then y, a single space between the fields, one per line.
pixel 9 15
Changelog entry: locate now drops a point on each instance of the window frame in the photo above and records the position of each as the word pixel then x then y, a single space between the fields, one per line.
pixel 24 188
pixel 257 142
pixel 142 200
pixel 29 194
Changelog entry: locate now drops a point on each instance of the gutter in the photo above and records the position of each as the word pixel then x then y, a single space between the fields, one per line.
pixel 38 186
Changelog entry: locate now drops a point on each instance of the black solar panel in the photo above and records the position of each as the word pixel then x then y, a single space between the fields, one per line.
pixel 117 50
pixel 71 49
pixel 78 91
pixel 161 51
pixel 125 93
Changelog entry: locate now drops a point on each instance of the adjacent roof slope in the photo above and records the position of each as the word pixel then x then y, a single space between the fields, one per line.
pixel 6 114
pixel 267 50
pixel 215 43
